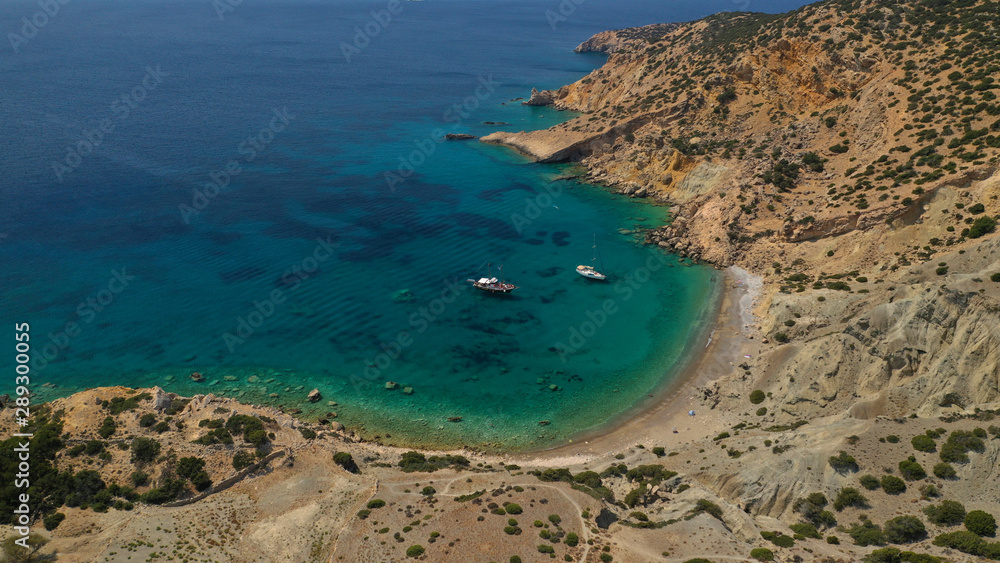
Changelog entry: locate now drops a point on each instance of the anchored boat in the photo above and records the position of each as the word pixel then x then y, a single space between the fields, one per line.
pixel 492 285
pixel 589 271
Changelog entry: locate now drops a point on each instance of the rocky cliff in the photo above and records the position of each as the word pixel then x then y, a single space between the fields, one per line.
pixel 847 153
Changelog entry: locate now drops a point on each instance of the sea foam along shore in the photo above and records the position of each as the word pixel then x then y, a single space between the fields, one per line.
pixel 732 338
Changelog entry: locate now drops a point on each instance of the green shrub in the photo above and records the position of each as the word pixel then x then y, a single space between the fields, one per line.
pixel 201 480
pixel 893 485
pixel 606 558
pixel 843 462
pixel 757 397
pixel 375 503
pixel 866 533
pixel 944 471
pixel 571 539
pixel 982 226
pixel 904 529
pixel 807 530
pixel 970 543
pixel 708 507
pixel 512 508
pixel 147 420
pixel 948 513
pixel 515 559
pixel 345 460
pixel 52 521
pixel 107 428
pixel 981 523
pixel 659 452
pixel 869 482
pixel 911 470
pixel 364 513
pixel 242 459
pixel 546 549
pixel 811 508
pixel 924 443
pixel 428 491
pixel 762 411
pixel 415 551
pixel 139 478
pixel 555 519
pixel 188 467
pixel 833 540
pixel 849 496
pixel 762 554
pixel 144 450
pixel 894 555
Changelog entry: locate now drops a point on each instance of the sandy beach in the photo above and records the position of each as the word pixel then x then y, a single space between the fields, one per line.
pixel 729 340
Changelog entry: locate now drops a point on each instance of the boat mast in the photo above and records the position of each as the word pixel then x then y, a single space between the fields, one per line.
pixel 501 274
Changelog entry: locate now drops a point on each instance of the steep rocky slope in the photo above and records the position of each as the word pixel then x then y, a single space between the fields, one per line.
pixel 846 152
pixel 770 130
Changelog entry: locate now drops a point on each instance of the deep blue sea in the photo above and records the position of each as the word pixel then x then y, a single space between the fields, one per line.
pixel 257 191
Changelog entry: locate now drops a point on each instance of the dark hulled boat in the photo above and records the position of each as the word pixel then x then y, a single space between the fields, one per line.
pixel 491 284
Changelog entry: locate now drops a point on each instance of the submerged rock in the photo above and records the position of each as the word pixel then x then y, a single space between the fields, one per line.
pixel 391 385
pixel 197 377
pixel 407 390
pixel 314 396
pixel 402 296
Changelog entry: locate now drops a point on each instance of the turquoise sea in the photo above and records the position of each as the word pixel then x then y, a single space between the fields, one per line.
pixel 259 192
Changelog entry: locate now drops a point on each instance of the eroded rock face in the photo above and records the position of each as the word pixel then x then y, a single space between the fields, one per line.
pixel 539 98
pixel 161 399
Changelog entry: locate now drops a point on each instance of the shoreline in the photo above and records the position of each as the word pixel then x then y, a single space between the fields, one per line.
pixel 713 353
pixel 728 339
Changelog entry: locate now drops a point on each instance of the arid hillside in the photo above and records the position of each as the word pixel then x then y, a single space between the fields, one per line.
pixel 769 130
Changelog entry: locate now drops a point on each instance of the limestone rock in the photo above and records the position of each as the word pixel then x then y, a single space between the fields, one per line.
pixel 161 399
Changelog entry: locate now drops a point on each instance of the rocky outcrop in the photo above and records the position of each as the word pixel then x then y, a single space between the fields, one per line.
pixel 161 399
pixel 613 41
pixel 540 98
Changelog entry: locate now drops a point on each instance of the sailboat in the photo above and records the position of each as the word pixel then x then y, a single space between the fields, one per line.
pixel 492 285
pixel 589 271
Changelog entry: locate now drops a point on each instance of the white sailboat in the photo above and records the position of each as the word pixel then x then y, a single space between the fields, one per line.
pixel 589 271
